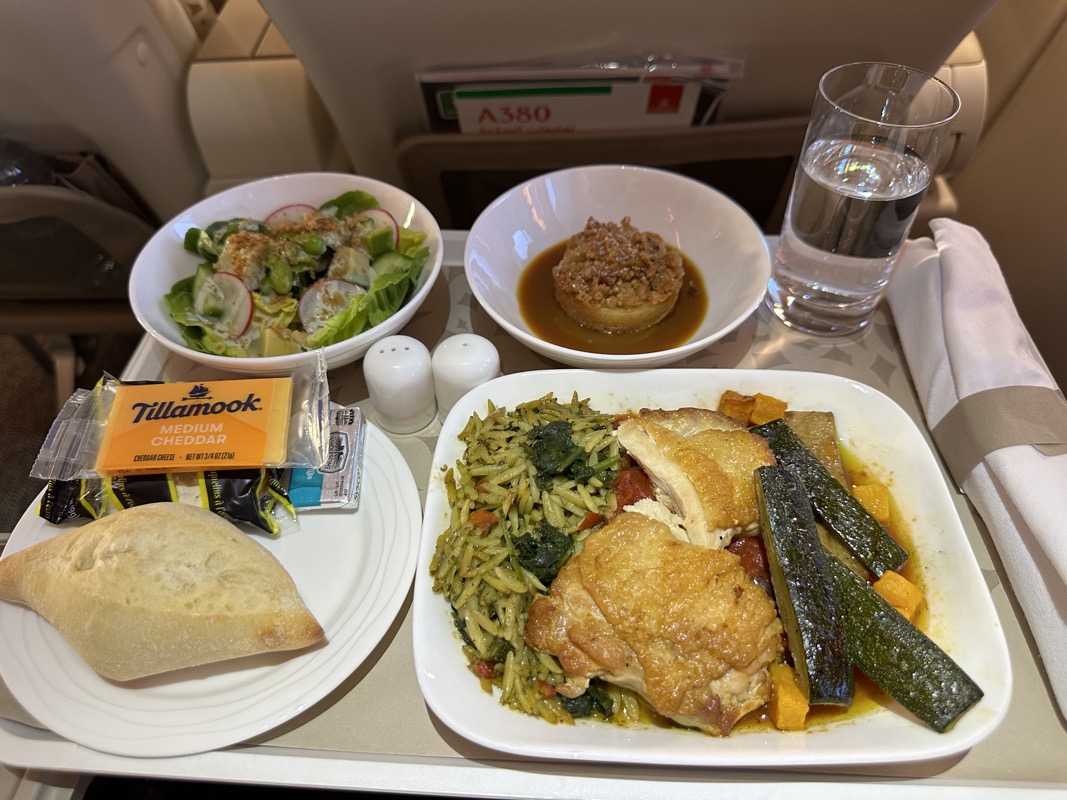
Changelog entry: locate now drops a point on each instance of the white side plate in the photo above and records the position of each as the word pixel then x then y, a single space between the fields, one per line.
pixel 353 570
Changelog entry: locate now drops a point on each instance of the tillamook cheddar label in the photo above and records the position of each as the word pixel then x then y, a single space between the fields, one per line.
pixel 181 427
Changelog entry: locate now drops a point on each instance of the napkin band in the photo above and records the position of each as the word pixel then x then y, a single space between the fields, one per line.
pixel 986 421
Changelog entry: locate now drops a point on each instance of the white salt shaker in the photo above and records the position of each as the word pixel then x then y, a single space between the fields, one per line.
pixel 460 363
pixel 400 382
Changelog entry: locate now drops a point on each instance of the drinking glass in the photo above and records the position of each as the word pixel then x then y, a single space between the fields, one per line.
pixel 872 145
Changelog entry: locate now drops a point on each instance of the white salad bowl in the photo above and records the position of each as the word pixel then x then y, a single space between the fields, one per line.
pixel 164 261
pixel 718 236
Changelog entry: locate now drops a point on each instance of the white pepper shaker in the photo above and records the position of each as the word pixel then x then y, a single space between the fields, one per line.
pixel 400 382
pixel 460 363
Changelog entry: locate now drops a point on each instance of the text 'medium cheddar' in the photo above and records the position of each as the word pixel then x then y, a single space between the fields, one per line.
pixel 181 427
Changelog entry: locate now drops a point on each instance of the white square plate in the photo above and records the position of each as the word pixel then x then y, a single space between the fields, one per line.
pixel 881 434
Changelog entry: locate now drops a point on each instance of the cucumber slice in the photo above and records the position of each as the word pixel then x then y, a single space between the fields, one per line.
pixel 209 304
pixel 900 658
pixel 204 271
pixel 202 244
pixel 392 262
pixel 805 597
pixel 835 505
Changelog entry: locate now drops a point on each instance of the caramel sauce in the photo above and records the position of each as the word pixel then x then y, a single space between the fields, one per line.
pixel 548 322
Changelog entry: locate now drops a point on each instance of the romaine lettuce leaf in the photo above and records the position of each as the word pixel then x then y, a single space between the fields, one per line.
pixel 383 299
pixel 350 203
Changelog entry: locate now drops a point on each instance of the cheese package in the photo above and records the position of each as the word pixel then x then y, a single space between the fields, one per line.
pixel 182 427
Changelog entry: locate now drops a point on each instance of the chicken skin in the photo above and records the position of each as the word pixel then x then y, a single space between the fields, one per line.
pixel 682 625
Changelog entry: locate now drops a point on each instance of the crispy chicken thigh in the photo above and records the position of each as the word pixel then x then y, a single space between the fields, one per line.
pixel 701 463
pixel 690 420
pixel 682 625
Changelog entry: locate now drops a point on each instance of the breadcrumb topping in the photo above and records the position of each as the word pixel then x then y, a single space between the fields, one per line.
pixel 245 255
pixel 618 266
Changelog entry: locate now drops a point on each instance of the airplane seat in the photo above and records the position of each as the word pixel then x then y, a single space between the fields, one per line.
pixel 105 78
pixel 363 57
pixel 966 71
pixel 65 259
pixel 96 90
pixel 253 111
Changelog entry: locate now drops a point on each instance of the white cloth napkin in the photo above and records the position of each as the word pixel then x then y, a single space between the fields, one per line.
pixel 962 335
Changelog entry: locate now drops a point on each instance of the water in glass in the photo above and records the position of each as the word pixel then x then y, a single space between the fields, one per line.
pixel 850 211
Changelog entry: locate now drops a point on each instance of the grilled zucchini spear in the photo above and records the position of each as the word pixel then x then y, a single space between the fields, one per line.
pixel 880 641
pixel 900 658
pixel 835 505
pixel 802 589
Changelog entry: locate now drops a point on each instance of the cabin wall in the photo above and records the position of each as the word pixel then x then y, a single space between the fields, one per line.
pixel 1012 190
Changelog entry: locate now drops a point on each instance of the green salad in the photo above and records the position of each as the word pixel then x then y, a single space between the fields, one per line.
pixel 302 278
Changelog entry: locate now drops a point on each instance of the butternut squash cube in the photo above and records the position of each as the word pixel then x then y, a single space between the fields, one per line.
pixel 899 592
pixel 788 707
pixel 875 498
pixel 766 408
pixel 736 405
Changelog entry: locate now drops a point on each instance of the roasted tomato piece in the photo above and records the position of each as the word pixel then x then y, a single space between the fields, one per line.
pixel 591 520
pixel 752 554
pixel 630 486
pixel 483 669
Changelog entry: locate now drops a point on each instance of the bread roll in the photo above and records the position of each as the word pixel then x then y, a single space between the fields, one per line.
pixel 159 587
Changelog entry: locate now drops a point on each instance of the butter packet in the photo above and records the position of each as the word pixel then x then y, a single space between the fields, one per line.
pixel 336 484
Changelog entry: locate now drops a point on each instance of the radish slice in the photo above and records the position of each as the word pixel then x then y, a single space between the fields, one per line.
pixel 325 298
pixel 225 302
pixel 380 218
pixel 288 215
